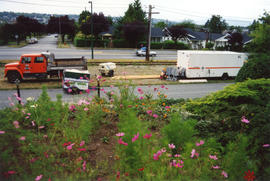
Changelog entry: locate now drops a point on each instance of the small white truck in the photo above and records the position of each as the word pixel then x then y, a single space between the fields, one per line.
pixel 107 69
pixel 206 64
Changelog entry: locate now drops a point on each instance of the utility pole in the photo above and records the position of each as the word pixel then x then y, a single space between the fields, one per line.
pixel 92 29
pixel 60 28
pixel 149 32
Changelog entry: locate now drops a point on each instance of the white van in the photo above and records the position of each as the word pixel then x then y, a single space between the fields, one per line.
pixel 198 64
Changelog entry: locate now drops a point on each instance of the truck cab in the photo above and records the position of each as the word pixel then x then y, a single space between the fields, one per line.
pixel 30 65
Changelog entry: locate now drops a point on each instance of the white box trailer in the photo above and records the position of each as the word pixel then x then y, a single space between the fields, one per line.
pixel 198 64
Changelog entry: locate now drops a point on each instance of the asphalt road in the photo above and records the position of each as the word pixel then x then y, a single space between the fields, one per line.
pixel 173 91
pixel 49 43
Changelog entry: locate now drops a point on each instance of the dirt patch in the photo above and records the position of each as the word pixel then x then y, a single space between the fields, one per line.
pixel 121 70
pixel 101 148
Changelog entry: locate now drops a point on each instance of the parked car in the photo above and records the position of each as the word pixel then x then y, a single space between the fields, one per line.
pixel 31 40
pixel 142 52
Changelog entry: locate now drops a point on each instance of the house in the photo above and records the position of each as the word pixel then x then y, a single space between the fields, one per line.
pixel 223 41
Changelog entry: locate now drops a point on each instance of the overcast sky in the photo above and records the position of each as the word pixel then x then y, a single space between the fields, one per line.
pixel 235 12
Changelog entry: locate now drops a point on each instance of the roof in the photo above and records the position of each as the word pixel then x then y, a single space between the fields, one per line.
pixel 210 52
pixel 198 35
pixel 156 32
pixel 110 31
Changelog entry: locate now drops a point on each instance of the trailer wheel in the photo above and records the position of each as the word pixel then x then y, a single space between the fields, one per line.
pixel 13 75
pixel 225 76
pixel 111 73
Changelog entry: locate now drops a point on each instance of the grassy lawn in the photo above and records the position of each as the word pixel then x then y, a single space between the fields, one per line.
pixel 14 44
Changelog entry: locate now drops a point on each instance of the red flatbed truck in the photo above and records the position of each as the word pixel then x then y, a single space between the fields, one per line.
pixel 42 66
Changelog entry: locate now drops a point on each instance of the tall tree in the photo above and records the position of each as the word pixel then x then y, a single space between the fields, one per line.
pixel 235 41
pixel 62 25
pixel 84 16
pixel 134 13
pixel 177 32
pixel 216 24
pixel 188 24
pixel 100 24
pixel 161 24
pixel 134 32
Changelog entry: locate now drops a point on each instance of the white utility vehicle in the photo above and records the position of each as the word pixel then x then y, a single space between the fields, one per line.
pixel 75 80
pixel 107 69
pixel 198 64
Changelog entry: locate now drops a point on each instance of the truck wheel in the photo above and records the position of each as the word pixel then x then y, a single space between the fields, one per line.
pixel 111 72
pixel 225 76
pixel 12 76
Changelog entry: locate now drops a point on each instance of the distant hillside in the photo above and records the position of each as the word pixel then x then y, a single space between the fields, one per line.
pixel 10 17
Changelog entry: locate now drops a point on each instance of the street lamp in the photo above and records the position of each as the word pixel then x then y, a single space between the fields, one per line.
pixel 91 28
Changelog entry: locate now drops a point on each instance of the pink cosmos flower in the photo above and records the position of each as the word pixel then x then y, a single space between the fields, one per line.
pixel 266 145
pixel 155 115
pixel 18 98
pixel 135 137
pixel 33 160
pixel 216 167
pixel 41 127
pixel 84 165
pixel 11 172
pixel 163 150
pixel 139 90
pixel 120 134
pixel 121 142
pixel 171 146
pixel 214 157
pixel 2 132
pixel 29 114
pixel 82 143
pixel 224 174
pixel 244 120
pixel 99 77
pixel 147 136
pixel 149 112
pixel 162 86
pixel 69 147
pixel 167 107
pixel 38 177
pixel 157 155
pixel 45 136
pixel 22 138
pixel 27 117
pixel 69 90
pixel 16 124
pixel 33 123
pixel 87 91
pixel 200 143
pixel 72 107
pixel 85 109
pixel 141 98
pixel 81 78
pixel 193 151
pixel 177 155
pixel 46 154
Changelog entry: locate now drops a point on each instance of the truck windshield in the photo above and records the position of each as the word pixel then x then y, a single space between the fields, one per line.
pixel 74 75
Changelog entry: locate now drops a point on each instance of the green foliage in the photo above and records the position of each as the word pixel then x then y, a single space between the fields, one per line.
pixel 237 157
pixel 257 66
pixel 188 24
pixel 220 116
pixel 134 13
pixel 120 43
pixel 179 131
pixel 156 45
pixel 169 44
pixel 261 39
pixel 160 24
pixel 216 24
pixel 209 45
pixel 80 42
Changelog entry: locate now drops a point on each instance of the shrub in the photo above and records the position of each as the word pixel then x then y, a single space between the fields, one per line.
pixel 220 116
pixel 169 44
pixel 257 66
pixel 156 45
pixel 120 43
